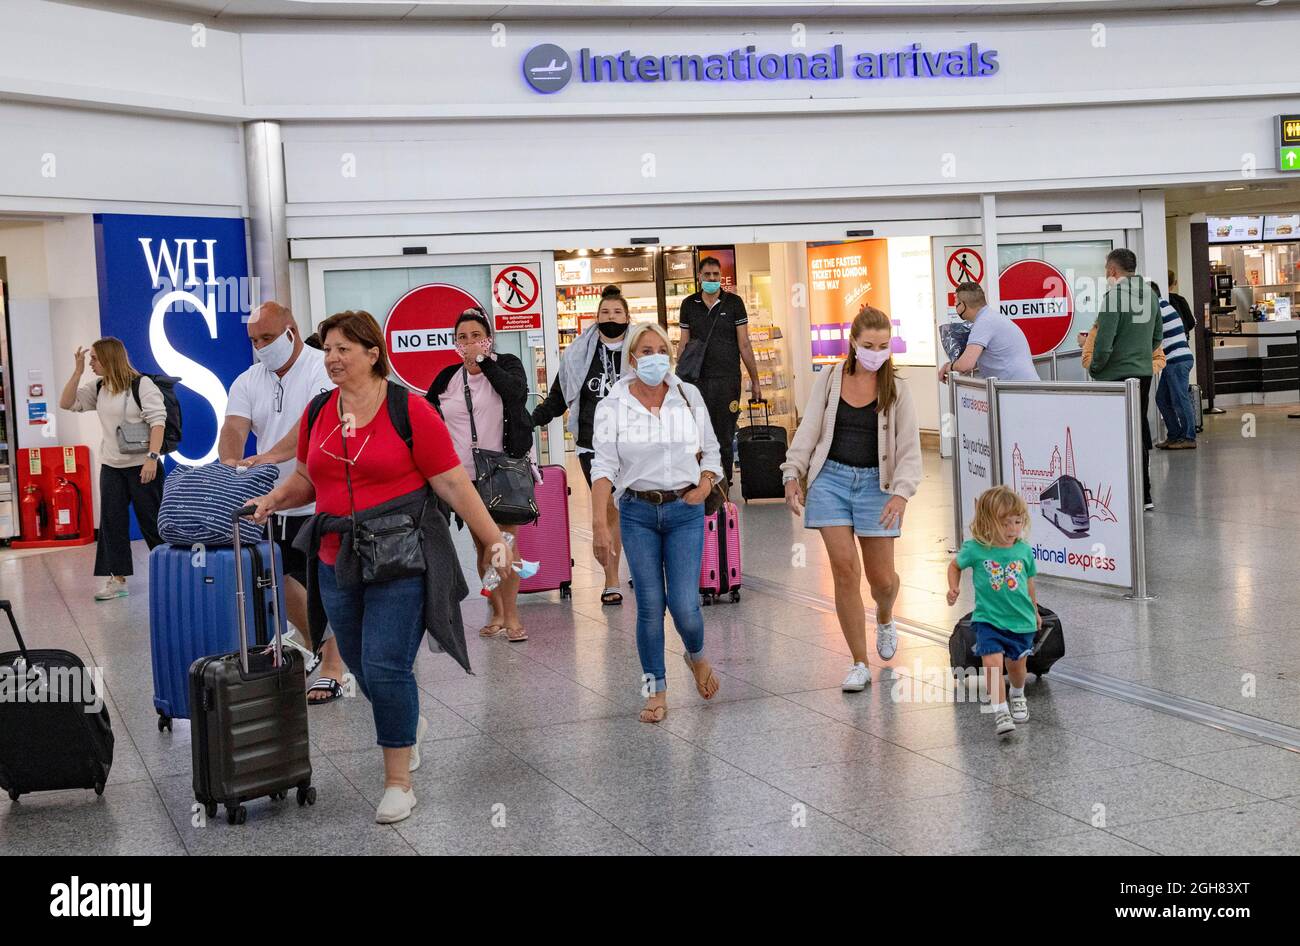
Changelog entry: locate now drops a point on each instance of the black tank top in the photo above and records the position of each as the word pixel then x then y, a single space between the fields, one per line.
pixel 856 440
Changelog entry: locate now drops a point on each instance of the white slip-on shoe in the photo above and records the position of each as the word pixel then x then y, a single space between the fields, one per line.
pixel 415 749
pixel 857 679
pixel 886 640
pixel 395 806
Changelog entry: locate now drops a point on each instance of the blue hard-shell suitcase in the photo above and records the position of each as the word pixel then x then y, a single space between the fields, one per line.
pixel 192 614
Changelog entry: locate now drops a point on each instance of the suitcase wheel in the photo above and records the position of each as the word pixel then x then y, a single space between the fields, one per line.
pixel 279 796
pixel 210 809
pixel 164 722
pixel 306 795
pixel 566 591
pixel 735 595
pixel 13 794
pixel 99 788
pixel 707 600
pixel 236 814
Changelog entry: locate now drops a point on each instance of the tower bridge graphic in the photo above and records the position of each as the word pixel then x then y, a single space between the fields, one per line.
pixel 1057 491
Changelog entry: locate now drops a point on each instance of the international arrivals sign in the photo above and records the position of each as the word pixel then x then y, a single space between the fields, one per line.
pixel 548 68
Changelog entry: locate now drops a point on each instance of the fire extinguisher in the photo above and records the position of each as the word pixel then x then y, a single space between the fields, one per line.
pixel 31 510
pixel 67 510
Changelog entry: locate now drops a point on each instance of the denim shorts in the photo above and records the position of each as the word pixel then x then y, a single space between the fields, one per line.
pixel 994 640
pixel 843 495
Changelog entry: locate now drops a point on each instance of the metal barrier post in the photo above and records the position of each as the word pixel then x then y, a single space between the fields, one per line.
pixel 995 438
pixel 956 463
pixel 1137 529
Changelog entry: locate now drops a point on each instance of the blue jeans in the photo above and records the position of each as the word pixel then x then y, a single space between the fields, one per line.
pixel 378 628
pixel 663 546
pixel 1174 400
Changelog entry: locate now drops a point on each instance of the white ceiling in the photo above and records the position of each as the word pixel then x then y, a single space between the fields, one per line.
pixel 635 9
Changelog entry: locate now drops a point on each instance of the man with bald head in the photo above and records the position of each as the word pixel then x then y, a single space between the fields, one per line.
pixel 268 400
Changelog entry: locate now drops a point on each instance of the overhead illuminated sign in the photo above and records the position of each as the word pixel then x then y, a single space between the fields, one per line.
pixel 549 68
pixel 1288 142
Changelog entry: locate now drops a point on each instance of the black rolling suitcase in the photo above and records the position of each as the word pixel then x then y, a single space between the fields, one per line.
pixel 248 717
pixel 51 735
pixel 761 451
pixel 1049 644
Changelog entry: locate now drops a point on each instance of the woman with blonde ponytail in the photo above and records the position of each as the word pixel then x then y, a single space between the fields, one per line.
pixel 859 446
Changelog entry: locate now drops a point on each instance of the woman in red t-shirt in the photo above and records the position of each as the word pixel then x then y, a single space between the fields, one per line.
pixel 378 625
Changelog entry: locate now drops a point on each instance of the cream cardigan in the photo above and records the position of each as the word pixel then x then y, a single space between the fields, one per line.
pixel 897 430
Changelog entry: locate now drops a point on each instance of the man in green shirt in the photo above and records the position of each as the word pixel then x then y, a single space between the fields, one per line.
pixel 1128 329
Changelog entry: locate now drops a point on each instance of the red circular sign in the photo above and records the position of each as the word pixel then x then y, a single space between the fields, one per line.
pixel 965 265
pixel 420 332
pixel 1036 296
pixel 515 289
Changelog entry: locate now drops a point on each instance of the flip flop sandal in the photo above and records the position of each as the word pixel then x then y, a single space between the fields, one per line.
pixel 703 688
pixel 511 633
pixel 324 685
pixel 611 596
pixel 490 630
pixel 654 714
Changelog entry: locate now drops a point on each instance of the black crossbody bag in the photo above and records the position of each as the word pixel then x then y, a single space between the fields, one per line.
pixel 690 363
pixel 504 483
pixel 388 547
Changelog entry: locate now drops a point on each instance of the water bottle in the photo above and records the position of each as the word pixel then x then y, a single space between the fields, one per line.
pixel 492 577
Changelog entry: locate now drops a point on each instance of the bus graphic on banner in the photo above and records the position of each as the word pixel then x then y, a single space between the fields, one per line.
pixel 1061 497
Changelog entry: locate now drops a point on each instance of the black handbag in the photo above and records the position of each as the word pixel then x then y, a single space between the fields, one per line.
pixel 690 363
pixel 504 483
pixel 388 547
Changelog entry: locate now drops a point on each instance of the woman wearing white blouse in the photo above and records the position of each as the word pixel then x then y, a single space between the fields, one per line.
pixel 656 452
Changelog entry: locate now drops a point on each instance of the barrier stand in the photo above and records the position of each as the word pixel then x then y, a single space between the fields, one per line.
pixel 1210 374
pixel 1137 532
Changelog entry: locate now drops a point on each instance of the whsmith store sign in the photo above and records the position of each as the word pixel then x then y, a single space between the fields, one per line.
pixel 548 68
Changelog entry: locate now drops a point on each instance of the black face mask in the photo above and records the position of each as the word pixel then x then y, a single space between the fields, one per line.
pixel 611 329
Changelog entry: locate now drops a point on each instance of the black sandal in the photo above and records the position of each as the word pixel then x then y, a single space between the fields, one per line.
pixel 324 685
pixel 611 596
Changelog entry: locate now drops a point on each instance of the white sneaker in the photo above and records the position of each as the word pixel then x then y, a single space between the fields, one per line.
pixel 1003 724
pixel 857 679
pixel 113 588
pixel 1019 708
pixel 415 749
pixel 395 806
pixel 886 640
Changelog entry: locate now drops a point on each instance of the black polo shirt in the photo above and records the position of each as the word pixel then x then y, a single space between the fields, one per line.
pixel 722 358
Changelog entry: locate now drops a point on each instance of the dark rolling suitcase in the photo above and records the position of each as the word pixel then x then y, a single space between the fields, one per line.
pixel 248 715
pixel 760 448
pixel 51 735
pixel 1049 644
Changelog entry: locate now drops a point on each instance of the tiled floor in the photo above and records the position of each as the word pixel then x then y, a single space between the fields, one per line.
pixel 541 752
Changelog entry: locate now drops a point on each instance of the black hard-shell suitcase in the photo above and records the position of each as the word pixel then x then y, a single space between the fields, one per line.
pixel 761 449
pixel 51 735
pixel 248 717
pixel 1049 644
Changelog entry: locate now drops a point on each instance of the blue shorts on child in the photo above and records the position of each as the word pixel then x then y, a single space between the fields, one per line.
pixel 994 640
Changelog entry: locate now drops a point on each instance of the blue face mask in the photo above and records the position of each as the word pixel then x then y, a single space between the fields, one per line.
pixel 652 369
pixel 712 287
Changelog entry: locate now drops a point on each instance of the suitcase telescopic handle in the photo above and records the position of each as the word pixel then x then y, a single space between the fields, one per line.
pixel 241 597
pixel 8 609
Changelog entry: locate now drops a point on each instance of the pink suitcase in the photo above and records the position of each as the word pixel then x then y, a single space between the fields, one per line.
pixel 720 566
pixel 547 540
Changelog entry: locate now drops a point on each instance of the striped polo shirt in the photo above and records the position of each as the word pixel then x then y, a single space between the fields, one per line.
pixel 1175 339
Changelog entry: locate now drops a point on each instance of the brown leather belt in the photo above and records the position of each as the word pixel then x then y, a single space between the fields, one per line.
pixel 659 497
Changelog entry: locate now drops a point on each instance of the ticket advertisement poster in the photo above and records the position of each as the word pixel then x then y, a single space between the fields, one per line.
pixel 843 277
pixel 1067 457
pixel 974 457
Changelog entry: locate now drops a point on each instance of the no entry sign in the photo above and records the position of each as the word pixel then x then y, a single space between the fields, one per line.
pixel 420 332
pixel 1036 296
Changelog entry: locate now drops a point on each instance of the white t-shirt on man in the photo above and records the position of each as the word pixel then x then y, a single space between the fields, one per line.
pixel 256 394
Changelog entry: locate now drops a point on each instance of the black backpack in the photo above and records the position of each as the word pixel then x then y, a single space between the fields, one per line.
pixel 399 411
pixel 167 387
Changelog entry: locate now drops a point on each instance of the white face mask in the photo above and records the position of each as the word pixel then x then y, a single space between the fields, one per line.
pixel 277 354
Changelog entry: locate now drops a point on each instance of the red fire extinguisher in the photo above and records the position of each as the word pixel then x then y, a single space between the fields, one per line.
pixel 67 510
pixel 31 509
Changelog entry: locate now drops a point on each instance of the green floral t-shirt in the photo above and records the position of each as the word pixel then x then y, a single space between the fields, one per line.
pixel 1001 579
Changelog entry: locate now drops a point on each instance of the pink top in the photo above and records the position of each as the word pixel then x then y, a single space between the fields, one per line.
pixel 489 416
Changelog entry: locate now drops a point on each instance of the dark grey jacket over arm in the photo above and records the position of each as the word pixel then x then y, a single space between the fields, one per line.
pixel 444 583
